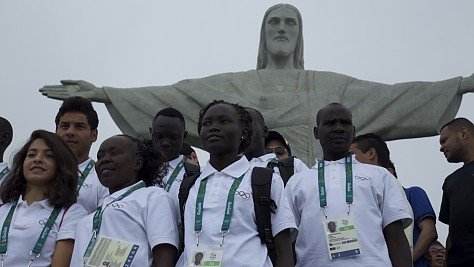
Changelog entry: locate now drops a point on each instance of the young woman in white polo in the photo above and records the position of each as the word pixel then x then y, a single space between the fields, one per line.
pixel 39 216
pixel 135 226
pixel 219 217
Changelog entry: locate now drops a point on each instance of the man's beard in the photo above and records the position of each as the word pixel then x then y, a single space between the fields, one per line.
pixel 280 50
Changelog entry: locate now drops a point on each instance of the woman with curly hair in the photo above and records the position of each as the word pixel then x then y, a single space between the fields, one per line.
pixel 135 226
pixel 40 215
pixel 219 215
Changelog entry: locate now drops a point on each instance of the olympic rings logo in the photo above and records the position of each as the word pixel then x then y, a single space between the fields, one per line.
pixel 117 205
pixel 43 222
pixel 243 194
pixel 362 178
pixel 86 185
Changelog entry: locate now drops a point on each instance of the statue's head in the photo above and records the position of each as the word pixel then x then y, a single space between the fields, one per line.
pixel 281 35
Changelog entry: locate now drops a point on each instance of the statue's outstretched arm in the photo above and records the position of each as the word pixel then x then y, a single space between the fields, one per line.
pixel 467 85
pixel 70 88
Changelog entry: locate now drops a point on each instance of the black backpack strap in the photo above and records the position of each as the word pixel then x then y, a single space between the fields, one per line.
pixel 287 168
pixel 188 181
pixel 191 169
pixel 264 206
pixel 272 163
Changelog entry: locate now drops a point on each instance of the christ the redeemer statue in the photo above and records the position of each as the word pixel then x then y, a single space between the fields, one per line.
pixel 287 95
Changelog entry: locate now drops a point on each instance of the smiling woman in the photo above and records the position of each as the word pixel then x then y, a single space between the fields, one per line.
pixel 40 189
pixel 130 169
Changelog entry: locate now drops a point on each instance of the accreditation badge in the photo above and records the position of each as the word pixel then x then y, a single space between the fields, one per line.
pixel 206 257
pixel 341 237
pixel 112 253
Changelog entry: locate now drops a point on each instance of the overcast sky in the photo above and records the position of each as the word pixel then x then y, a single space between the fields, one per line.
pixel 138 43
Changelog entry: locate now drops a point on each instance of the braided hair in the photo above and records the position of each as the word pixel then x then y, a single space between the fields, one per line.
pixel 244 118
pixel 154 166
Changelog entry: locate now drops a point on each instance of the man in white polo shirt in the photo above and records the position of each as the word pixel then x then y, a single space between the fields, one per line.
pixel 77 122
pixel 168 131
pixel 6 136
pixel 362 203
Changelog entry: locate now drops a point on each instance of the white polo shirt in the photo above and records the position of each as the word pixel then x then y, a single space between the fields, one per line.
pixel 378 201
pixel 262 161
pixel 27 224
pixel 92 192
pixel 242 246
pixel 174 189
pixel 144 218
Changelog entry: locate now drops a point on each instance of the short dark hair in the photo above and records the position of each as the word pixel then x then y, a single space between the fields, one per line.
pixel 244 118
pixel 78 104
pixel 171 112
pixel 6 127
pixel 63 191
pixel 186 149
pixel 318 115
pixel 370 140
pixel 458 123
pixel 154 166
pixel 259 114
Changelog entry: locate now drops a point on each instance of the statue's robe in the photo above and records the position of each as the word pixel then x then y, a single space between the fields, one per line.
pixel 399 111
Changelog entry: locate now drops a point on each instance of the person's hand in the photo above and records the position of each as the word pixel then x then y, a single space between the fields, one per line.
pixel 75 88
pixel 467 85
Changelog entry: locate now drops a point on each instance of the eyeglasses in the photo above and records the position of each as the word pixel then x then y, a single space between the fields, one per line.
pixel 277 150
pixel 436 251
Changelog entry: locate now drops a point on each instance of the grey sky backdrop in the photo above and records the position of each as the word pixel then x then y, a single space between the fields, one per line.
pixel 138 43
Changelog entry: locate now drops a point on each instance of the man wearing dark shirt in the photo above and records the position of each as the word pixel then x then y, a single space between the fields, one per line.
pixel 457 206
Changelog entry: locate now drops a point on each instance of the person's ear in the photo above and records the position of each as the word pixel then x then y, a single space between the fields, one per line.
pixel 244 134
pixel 139 164
pixel 94 135
pixel 372 154
pixel 315 132
pixel 463 134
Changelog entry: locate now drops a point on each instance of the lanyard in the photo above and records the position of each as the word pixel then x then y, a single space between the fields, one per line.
pixel 322 186
pixel 84 174
pixel 228 209
pixel 98 218
pixel 4 172
pixel 173 175
pixel 41 239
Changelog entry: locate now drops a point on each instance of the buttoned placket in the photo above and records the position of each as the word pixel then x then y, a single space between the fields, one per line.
pixel 214 188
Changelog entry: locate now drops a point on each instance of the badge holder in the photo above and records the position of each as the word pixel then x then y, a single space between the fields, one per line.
pixel 205 257
pixel 111 251
pixel 341 237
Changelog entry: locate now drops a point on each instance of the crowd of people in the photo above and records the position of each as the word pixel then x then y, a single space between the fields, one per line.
pixel 151 203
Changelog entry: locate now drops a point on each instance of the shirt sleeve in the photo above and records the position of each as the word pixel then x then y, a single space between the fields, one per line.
pixel 444 210
pixel 421 205
pixel 161 221
pixel 291 198
pixel 68 221
pixel 299 166
pixel 283 217
pixel 395 205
